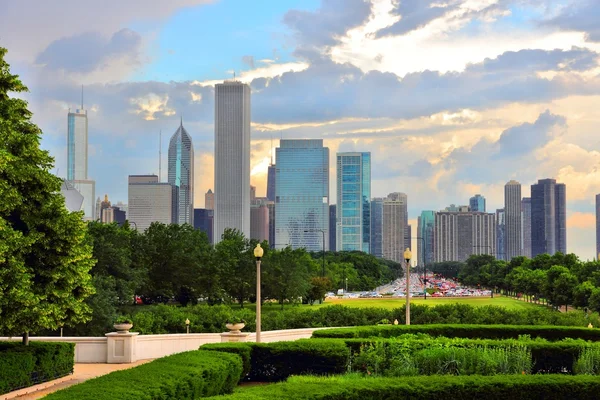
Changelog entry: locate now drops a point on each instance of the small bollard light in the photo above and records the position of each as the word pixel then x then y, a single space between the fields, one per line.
pixel 187 325
pixel 395 322
pixel 590 325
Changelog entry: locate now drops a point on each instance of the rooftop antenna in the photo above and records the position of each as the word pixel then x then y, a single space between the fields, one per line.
pixel 82 97
pixel 234 75
pixel 159 155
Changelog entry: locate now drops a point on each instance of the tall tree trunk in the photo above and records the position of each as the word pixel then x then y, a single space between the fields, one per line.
pixel 26 339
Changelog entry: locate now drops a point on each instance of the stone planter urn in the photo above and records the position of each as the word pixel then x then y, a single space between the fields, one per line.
pixel 123 327
pixel 235 328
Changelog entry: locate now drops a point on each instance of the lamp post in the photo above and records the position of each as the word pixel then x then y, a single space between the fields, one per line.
pixel 187 325
pixel 407 257
pixel 323 232
pixel 258 253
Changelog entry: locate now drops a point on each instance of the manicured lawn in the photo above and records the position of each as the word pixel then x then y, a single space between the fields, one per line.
pixel 392 303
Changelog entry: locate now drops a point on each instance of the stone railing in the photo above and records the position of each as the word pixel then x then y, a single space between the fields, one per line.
pixel 130 347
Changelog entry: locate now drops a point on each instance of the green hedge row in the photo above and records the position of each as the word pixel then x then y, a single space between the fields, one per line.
pixel 23 366
pixel 548 357
pixel 552 333
pixel 203 319
pixel 499 387
pixel 273 362
pixel 187 375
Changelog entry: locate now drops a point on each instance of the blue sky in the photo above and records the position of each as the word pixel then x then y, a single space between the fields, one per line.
pixel 451 98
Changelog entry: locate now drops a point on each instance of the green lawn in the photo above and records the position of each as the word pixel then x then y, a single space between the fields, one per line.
pixel 391 303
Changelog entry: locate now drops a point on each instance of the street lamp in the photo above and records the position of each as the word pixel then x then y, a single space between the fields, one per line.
pixel 407 257
pixel 323 232
pixel 258 253
pixel 187 325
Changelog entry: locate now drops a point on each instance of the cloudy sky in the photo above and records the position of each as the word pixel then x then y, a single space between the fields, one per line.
pixel 451 97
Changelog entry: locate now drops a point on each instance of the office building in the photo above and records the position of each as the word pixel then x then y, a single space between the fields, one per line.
pixel 395 223
pixel 302 195
pixel 73 199
pixel 209 200
pixel 252 193
pixel 377 227
pixel 332 228
pixel 149 201
pixel 455 208
pixel 77 161
pixel 107 216
pixel 271 206
pixel 548 217
pixel 259 219
pixel 119 216
pixel 181 176
pixel 477 203
pixel 425 226
pixel 512 216
pixel 500 234
pixel 122 207
pixel 232 158
pixel 458 235
pixel 353 202
pixel 271 182
pixel 203 221
pixel 526 225
pixel 408 237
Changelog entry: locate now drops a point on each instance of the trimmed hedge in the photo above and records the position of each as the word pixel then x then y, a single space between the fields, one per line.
pixel 552 333
pixel 499 387
pixel 273 362
pixel 23 366
pixel 188 375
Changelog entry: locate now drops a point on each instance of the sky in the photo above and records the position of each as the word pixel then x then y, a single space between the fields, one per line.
pixel 451 97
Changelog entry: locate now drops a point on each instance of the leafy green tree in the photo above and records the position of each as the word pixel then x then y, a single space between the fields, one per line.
pixel 560 284
pixel 45 256
pixel 235 258
pixel 318 289
pixel 287 275
pixel 582 294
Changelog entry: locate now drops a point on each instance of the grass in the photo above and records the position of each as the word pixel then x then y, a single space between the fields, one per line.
pixel 390 303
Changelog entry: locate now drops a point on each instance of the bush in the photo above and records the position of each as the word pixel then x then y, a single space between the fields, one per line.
pixel 23 366
pixel 353 387
pixel 588 362
pixel 187 375
pixel 272 362
pixel 553 333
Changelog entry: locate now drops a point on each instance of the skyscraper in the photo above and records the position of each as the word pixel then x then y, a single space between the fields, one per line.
pixel 77 161
pixel 353 201
pixel 512 215
pixel 302 195
pixel 426 223
pixel 271 182
pixel 458 235
pixel 548 217
pixel 408 237
pixel 377 227
pixel 526 223
pixel 477 203
pixel 332 229
pixel 209 200
pixel 598 226
pixel 500 234
pixel 395 223
pixel 149 201
pixel 232 158
pixel 259 219
pixel 203 221
pixel 181 176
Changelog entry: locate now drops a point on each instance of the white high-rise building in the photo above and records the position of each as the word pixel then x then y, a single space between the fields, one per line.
pixel 232 158
pixel 149 201
pixel 77 161
pixel 181 176
pixel 512 210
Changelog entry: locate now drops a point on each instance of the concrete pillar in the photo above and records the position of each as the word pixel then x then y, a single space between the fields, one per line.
pixel 121 347
pixel 234 337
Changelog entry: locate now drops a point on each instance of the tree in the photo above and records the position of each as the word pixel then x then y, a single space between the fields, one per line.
pixel 287 275
pixel 318 289
pixel 582 293
pixel 235 258
pixel 45 256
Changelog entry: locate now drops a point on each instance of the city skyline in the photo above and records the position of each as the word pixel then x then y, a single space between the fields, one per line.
pixel 453 120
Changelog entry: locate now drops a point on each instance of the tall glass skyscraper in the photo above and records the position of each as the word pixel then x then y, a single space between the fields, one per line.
pixel 77 161
pixel 377 227
pixel 232 158
pixel 526 224
pixel 271 182
pixel 181 176
pixel 353 202
pixel 477 203
pixel 302 195
pixel 426 224
pixel 548 217
pixel 512 215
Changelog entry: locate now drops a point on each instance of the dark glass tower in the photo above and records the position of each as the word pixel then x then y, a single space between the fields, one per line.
pixel 548 217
